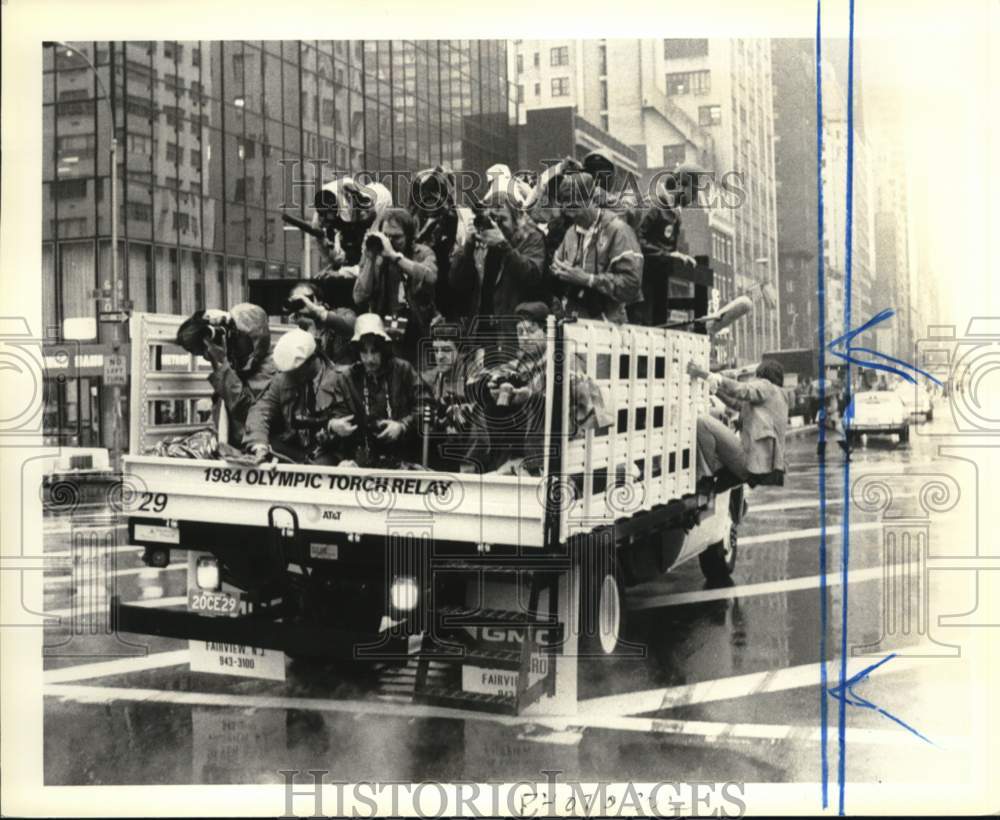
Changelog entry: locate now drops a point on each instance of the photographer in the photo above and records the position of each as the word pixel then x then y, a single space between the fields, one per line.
pixel 237 343
pixel 757 456
pixel 512 400
pixel 291 416
pixel 439 226
pixel 599 262
pixel 452 412
pixel 346 211
pixel 376 403
pixel 397 280
pixel 332 327
pixel 500 266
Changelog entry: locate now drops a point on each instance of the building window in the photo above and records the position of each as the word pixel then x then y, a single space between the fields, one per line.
pixel 673 155
pixel 709 115
pixel 560 86
pixel 604 95
pixel 520 63
pixel 196 56
pixel 182 221
pixel 238 68
pixel 602 60
pixel 138 144
pixel 139 212
pixel 520 93
pixel 559 56
pixel 538 89
pixel 688 82
pixel 537 60
pixel 195 158
pixel 68 189
pixel 604 122
pixel 676 49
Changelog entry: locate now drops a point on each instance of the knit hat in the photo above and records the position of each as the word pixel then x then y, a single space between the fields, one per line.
pixel 293 350
pixel 537 312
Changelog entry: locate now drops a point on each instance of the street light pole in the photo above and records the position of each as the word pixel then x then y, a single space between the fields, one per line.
pixel 115 285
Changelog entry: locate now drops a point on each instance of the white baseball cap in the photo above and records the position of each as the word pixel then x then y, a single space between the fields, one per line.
pixel 293 349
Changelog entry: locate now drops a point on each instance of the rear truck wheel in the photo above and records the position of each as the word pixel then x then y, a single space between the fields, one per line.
pixel 601 616
pixel 904 435
pixel 719 560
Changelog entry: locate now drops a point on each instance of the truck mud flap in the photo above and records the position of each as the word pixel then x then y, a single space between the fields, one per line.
pixel 298 639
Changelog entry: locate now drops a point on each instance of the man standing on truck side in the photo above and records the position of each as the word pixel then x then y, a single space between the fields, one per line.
pixel 237 343
pixel 758 456
pixel 332 327
pixel 599 262
pixel 290 417
pixel 376 403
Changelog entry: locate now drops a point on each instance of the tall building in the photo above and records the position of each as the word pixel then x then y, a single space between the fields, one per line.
pixel 863 206
pixel 694 102
pixel 797 200
pixel 211 137
pixel 892 250
pixel 725 85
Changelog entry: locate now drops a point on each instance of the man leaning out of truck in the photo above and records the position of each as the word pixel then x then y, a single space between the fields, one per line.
pixel 291 416
pixel 240 354
pixel 758 456
pixel 377 402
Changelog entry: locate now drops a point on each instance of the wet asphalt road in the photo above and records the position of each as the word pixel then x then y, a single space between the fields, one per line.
pixel 729 689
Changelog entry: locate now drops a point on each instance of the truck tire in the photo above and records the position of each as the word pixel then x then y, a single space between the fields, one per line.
pixel 719 560
pixel 904 435
pixel 601 615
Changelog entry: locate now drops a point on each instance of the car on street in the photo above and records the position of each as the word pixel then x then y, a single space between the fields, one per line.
pixel 878 412
pixel 916 399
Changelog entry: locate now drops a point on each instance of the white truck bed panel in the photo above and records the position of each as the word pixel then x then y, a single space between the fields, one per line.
pixel 448 506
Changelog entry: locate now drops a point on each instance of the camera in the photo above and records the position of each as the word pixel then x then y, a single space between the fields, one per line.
pixel 293 305
pixel 196 332
pixel 373 244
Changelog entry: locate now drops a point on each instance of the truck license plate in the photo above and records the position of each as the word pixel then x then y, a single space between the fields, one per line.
pixel 213 603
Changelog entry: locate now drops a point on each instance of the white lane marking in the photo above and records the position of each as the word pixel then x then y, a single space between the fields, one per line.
pixel 739 686
pixel 805 505
pixel 65 579
pixel 793 535
pixel 746 590
pixel 103 606
pixel 101 550
pixel 119 666
pixel 394 707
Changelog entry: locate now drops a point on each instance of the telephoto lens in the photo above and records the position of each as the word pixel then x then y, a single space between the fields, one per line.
pixel 373 244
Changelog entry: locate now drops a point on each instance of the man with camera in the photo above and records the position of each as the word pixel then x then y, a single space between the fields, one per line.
pixel 237 343
pixel 291 417
pixel 346 211
pixel 397 281
pixel 332 327
pixel 500 266
pixel 375 405
pixel 599 262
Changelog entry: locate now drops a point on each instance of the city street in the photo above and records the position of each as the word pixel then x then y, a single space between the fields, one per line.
pixel 730 689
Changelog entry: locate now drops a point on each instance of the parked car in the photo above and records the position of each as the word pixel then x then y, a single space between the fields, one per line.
pixel 878 412
pixel 916 399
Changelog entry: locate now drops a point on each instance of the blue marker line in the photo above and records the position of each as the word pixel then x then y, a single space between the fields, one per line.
pixel 848 695
pixel 845 340
pixel 846 515
pixel 821 438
